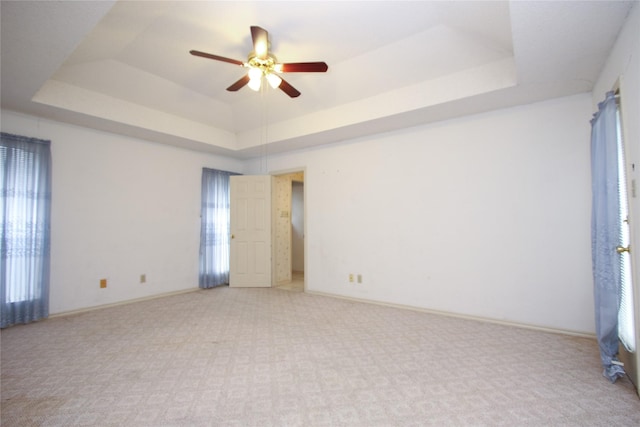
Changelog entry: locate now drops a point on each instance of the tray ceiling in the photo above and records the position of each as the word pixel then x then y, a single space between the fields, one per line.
pixel 125 67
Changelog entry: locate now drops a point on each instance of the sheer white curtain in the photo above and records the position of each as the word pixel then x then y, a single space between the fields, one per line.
pixel 605 233
pixel 214 228
pixel 25 206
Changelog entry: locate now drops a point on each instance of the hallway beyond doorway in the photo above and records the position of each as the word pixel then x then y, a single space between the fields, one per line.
pixel 296 284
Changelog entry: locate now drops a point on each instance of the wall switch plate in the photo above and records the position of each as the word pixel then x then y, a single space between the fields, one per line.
pixel 143 278
pixel 103 283
pixel 359 278
pixel 350 277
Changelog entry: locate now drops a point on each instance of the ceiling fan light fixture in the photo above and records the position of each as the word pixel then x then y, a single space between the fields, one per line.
pixel 274 80
pixel 261 62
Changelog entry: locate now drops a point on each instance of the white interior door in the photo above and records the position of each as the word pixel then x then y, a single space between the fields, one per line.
pixel 250 257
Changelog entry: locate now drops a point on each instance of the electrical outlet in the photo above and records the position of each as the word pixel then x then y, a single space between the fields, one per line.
pixel 359 278
pixel 143 278
pixel 103 283
pixel 350 278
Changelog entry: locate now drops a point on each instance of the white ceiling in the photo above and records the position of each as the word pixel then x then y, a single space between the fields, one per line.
pixel 125 67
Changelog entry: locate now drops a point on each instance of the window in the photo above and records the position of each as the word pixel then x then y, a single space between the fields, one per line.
pixel 626 327
pixel 214 228
pixel 25 204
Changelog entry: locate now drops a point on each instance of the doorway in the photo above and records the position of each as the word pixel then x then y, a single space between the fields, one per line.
pixel 297 232
pixel 289 236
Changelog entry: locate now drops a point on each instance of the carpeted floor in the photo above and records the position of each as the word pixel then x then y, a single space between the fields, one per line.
pixel 271 357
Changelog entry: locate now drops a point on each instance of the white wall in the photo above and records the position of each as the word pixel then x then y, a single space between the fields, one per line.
pixel 121 207
pixel 486 216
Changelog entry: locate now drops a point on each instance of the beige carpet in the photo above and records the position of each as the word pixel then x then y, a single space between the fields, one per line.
pixel 270 357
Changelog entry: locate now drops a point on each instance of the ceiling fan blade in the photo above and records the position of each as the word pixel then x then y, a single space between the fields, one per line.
pixel 216 57
pixel 239 84
pixel 260 39
pixel 304 67
pixel 288 89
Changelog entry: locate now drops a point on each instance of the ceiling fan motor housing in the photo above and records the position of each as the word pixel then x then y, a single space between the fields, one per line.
pixel 267 65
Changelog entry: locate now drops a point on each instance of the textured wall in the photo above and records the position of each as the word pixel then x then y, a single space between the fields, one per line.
pixel 283 235
pixel 297 226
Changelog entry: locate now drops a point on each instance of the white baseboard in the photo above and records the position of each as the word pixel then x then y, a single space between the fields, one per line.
pixel 115 304
pixel 459 316
pixel 361 300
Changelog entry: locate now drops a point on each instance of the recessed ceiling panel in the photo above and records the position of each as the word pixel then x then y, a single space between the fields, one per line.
pixel 390 63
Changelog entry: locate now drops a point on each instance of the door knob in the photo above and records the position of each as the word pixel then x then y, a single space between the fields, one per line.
pixel 622 249
pixel 233 236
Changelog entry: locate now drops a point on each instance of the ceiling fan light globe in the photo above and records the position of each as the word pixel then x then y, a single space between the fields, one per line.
pixel 255 73
pixel 274 80
pixel 261 49
pixel 255 78
pixel 254 84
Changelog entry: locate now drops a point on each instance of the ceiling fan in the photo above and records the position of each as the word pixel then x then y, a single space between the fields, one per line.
pixel 261 63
